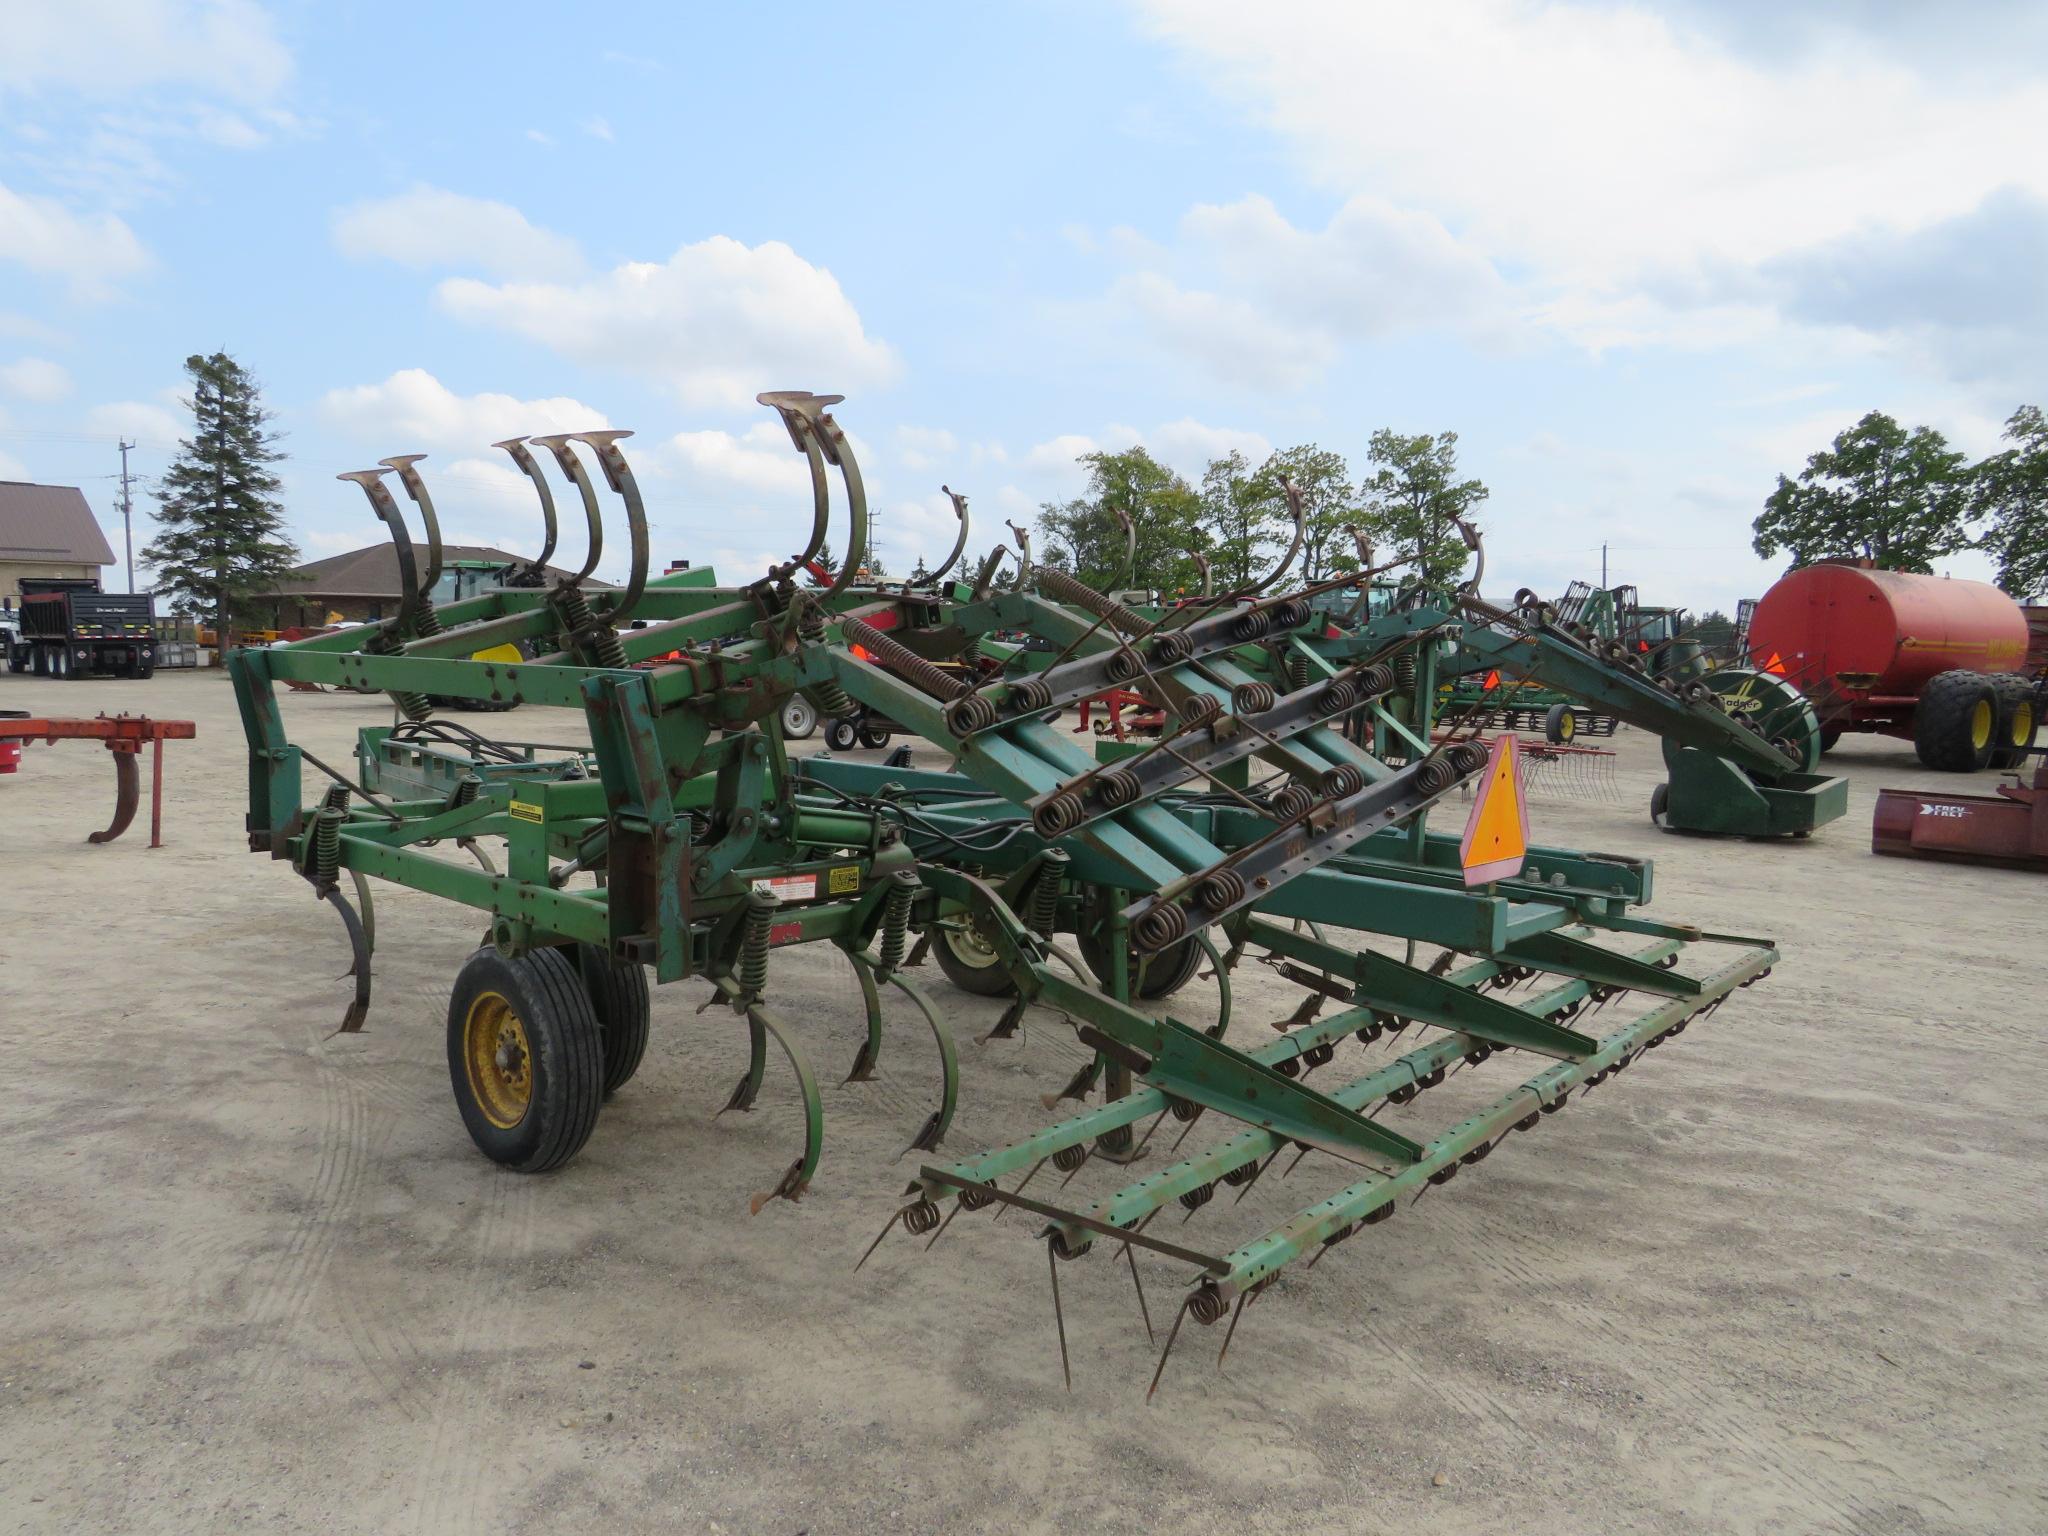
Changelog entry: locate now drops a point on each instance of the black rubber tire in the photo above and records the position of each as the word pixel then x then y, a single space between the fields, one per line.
pixel 1560 725
pixel 1946 721
pixel 980 980
pixel 1166 973
pixel 1830 735
pixel 618 996
pixel 60 662
pixel 873 737
pixel 566 1060
pixel 840 735
pixel 146 670
pixel 799 720
pixel 1660 802
pixel 2015 693
pixel 39 660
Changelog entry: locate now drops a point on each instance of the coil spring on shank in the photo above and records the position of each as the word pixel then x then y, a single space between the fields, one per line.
pixel 828 698
pixel 754 939
pixel 1044 914
pixel 896 918
pixel 903 661
pixel 1198 709
pixel 1252 698
pixel 327 823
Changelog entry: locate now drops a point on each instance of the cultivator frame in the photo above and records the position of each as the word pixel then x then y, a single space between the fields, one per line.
pixel 683 839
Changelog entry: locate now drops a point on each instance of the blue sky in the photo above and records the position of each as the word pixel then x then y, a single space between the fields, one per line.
pixel 1640 257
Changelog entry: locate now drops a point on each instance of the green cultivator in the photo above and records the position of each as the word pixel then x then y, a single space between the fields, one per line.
pixel 685 841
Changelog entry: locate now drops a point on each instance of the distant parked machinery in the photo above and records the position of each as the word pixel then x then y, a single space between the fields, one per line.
pixel 68 627
pixel 1936 660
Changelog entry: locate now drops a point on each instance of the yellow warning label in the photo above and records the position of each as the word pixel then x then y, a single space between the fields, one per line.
pixel 525 810
pixel 844 880
pixel 1497 832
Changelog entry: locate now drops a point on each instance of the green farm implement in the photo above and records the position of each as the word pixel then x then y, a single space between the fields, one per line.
pixel 669 833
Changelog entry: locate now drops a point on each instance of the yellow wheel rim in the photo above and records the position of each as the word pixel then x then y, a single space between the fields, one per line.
pixel 1980 725
pixel 2023 723
pixel 1568 726
pixel 500 1065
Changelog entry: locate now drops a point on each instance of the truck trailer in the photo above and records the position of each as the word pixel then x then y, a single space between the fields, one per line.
pixel 70 628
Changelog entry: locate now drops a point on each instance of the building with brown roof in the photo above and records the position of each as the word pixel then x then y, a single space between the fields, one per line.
pixel 47 530
pixel 362 585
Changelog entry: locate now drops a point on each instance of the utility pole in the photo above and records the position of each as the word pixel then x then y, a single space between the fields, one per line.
pixel 1603 567
pixel 127 512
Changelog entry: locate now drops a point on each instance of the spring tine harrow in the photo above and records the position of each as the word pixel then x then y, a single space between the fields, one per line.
pixel 1291 808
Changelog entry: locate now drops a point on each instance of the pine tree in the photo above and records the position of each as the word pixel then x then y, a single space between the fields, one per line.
pixel 220 537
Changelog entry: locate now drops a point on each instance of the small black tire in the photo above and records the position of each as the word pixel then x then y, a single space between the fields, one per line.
pixel 970 964
pixel 1660 802
pixel 1955 722
pixel 840 735
pixel 873 737
pixel 2018 719
pixel 1160 975
pixel 526 1057
pixel 1830 737
pixel 1560 725
pixel 618 995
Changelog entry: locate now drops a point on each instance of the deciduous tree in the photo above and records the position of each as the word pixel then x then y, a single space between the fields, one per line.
pixel 1414 499
pixel 1880 492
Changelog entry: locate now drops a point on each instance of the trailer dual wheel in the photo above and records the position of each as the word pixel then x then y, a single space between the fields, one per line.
pixel 2017 719
pixel 1955 722
pixel 1560 725
pixel 618 995
pixel 526 1057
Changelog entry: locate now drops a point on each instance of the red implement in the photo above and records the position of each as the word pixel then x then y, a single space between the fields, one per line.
pixel 2010 827
pixel 123 735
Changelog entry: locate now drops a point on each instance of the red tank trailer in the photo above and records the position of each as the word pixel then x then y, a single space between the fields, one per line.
pixel 1934 659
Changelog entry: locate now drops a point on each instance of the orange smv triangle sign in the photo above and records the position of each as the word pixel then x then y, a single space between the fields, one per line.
pixel 1497 832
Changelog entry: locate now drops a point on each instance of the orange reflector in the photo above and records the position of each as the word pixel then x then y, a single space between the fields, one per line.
pixel 1492 680
pixel 1775 664
pixel 1497 832
pixel 860 653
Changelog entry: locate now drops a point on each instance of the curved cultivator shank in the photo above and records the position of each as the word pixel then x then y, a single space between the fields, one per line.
pixel 1280 817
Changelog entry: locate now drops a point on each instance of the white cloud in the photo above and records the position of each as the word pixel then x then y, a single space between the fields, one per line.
pixel 428 227
pixel 1597 142
pixel 117 47
pixel 412 410
pixel 718 322
pixel 1188 445
pixel 41 234
pixel 1235 340
pixel 136 419
pixel 598 128
pixel 758 461
pixel 34 378
pixel 922 448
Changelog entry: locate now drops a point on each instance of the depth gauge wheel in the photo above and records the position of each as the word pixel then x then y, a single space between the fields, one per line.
pixel 840 735
pixel 1560 725
pixel 618 996
pixel 873 737
pixel 1160 975
pixel 970 962
pixel 799 719
pixel 1660 802
pixel 526 1057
